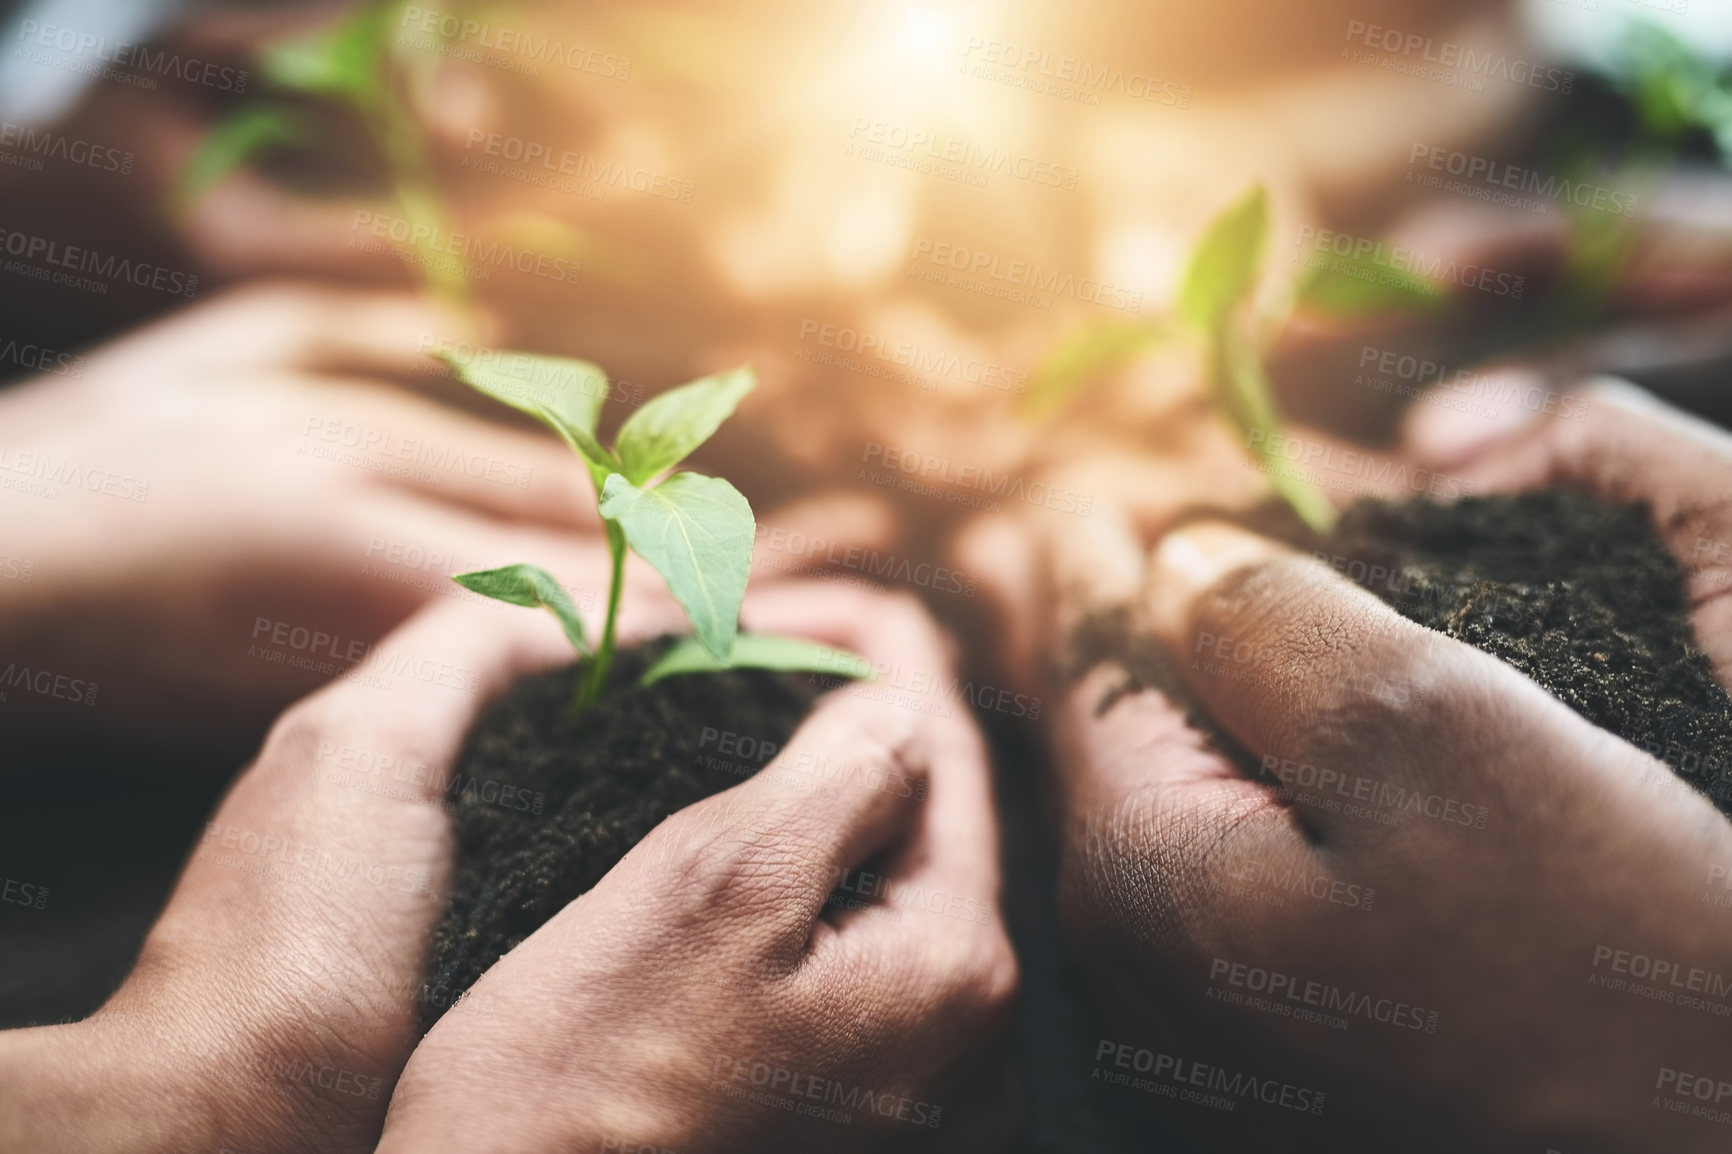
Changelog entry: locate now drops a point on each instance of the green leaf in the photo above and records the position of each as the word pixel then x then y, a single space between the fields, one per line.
pixel 1087 354
pixel 697 532
pixel 342 61
pixel 1668 81
pixel 759 651
pixel 574 390
pixel 532 587
pixel 666 430
pixel 1224 265
pixel 1356 286
pixel 236 139
pixel 562 393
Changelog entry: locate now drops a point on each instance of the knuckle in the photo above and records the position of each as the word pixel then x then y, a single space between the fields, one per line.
pixel 1355 672
pixel 297 733
pixel 1143 878
pixel 1382 700
pixel 997 978
pixel 273 304
pixel 719 859
pixel 977 973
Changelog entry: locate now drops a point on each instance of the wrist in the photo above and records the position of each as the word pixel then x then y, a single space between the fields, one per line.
pixel 73 1088
pixel 473 1092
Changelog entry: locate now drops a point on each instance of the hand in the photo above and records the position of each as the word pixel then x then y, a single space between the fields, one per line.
pixel 1487 981
pixel 1619 443
pixel 707 994
pixel 244 466
pixel 276 999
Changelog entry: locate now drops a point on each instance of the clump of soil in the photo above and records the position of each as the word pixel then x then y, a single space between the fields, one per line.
pixel 1582 596
pixel 546 804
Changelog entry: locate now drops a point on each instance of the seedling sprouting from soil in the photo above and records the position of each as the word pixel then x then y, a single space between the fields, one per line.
pixel 1215 308
pixel 696 531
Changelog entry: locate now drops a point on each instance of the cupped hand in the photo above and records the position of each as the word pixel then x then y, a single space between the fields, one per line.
pixel 812 959
pixel 1451 909
pixel 275 1001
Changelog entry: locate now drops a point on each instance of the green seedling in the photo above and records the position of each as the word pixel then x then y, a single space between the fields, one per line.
pixel 349 66
pixel 1215 311
pixel 1214 299
pixel 1673 91
pixel 696 531
pixel 1673 88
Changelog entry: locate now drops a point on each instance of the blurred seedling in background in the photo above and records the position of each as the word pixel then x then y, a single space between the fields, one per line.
pixel 1674 90
pixel 1675 93
pixel 1219 312
pixel 355 69
pixel 695 531
pixel 348 65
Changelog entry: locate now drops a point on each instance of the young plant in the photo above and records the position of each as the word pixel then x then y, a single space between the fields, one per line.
pixel 696 531
pixel 1674 92
pixel 348 65
pixel 1215 300
pixel 1673 88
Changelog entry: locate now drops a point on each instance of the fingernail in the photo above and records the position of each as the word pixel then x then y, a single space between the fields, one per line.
pixel 1449 426
pixel 1190 561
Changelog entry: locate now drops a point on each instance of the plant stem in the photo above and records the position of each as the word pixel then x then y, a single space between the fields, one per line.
pixel 398 135
pixel 590 686
pixel 1242 388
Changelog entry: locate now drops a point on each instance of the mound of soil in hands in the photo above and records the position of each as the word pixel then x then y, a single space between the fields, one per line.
pixel 557 801
pixel 1581 596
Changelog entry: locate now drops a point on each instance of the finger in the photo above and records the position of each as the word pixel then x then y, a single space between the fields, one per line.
pixel 284 324
pixel 843 529
pixel 1622 445
pixel 1491 236
pixel 1347 472
pixel 318 879
pixel 1008 631
pixel 352 569
pixel 397 720
pixel 1159 826
pixel 1098 563
pixel 1046 590
pixel 1305 668
pixel 775 846
pixel 1454 422
pixel 948 866
pixel 245 226
pixel 412 443
pixel 854 775
pixel 891 631
pixel 404 538
pixel 1214 471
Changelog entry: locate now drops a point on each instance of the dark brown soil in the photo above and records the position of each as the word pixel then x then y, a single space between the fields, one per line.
pixel 546 804
pixel 1581 596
